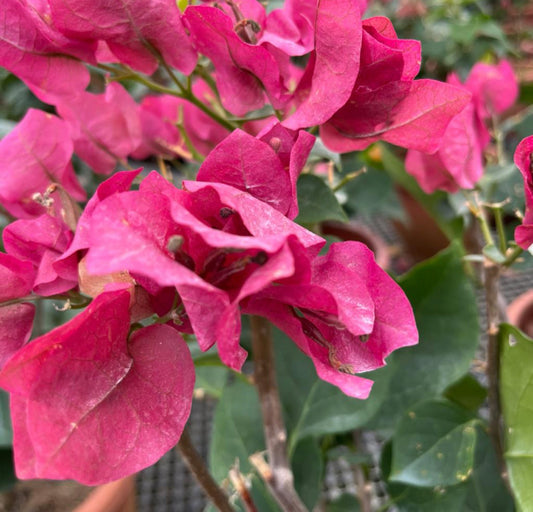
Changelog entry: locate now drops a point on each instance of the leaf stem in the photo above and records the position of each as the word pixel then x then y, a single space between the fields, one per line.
pixel 198 468
pixel 281 479
pixel 498 217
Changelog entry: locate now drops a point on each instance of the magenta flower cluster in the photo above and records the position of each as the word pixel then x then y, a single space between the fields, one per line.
pixel 109 392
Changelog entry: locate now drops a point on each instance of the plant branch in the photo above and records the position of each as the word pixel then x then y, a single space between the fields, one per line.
pixel 281 479
pixel 492 294
pixel 197 466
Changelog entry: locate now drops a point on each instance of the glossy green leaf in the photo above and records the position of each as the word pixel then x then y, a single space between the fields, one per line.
pixel 434 445
pixel 484 491
pixel 308 469
pixel 237 430
pixel 444 304
pixel 516 393
pixel 467 392
pixel 211 379
pixel 316 201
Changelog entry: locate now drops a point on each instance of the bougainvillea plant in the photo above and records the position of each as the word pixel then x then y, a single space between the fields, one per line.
pixel 179 265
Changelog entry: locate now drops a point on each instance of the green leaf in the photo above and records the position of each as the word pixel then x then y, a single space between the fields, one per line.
pixel 467 392
pixel 434 445
pixel 516 391
pixel 346 503
pixel 444 304
pixel 211 379
pixel 308 469
pixel 316 201
pixel 237 430
pixel 484 491
pixel 312 407
pixel 6 434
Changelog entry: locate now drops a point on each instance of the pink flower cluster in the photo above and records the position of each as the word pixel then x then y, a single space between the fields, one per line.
pixel 109 392
pixel 458 162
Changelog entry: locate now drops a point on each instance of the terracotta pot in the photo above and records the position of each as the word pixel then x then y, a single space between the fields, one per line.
pixel 420 234
pixel 116 496
pixel 359 233
pixel 520 312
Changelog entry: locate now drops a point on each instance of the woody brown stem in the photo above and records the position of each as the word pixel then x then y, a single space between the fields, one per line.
pixel 492 294
pixel 281 479
pixel 198 468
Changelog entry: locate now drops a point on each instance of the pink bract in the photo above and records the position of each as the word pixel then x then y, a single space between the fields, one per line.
pixel 39 55
pixel 457 164
pixel 244 72
pixel 128 400
pixel 34 155
pixel 135 31
pixel 349 317
pixel 105 128
pixel 334 64
pixel 267 167
pixel 523 159
pixel 42 242
pixel 494 88
pixel 16 323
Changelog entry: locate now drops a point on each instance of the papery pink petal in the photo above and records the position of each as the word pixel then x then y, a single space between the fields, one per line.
pixel 394 325
pixel 251 165
pixel 458 164
pixel 16 323
pixel 158 117
pixel 127 401
pixel 494 88
pixel 333 68
pixel 243 71
pixel 281 316
pixel 34 155
pixel 260 219
pixel 134 232
pixel 42 58
pixel 523 159
pixel 16 277
pixel 105 128
pixel 119 182
pixel 135 31
pixel 293 148
pixel 291 28
pixel 42 241
pixel 384 57
pixel 413 114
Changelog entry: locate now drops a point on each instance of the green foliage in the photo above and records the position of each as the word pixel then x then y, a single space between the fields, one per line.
pixel 443 301
pixel 316 201
pixel 482 491
pixel 517 396
pixel 467 392
pixel 434 445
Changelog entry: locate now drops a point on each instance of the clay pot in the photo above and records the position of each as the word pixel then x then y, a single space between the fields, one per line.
pixel 520 312
pixel 116 496
pixel 359 233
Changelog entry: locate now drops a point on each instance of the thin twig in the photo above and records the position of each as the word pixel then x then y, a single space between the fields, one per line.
pixel 239 483
pixel 281 481
pixel 493 298
pixel 198 468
